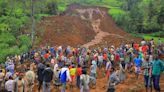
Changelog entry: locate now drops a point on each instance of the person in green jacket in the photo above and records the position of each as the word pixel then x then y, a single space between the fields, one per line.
pixel 157 69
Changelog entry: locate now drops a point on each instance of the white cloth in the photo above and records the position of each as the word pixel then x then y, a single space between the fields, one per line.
pixel 9 85
pixel 67 72
pixel 56 68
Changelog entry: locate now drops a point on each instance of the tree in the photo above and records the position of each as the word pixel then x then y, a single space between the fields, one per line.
pixel 33 22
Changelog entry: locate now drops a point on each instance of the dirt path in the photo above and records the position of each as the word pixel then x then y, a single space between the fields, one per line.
pixel 95 25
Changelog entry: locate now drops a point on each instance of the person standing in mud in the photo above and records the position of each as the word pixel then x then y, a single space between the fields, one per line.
pixel 29 80
pixel 93 74
pixel 47 78
pixel 147 66
pixel 64 76
pixel 41 67
pixel 113 80
pixel 137 63
pixel 10 85
pixel 121 71
pixel 78 73
pixel 158 68
pixel 20 83
pixel 84 81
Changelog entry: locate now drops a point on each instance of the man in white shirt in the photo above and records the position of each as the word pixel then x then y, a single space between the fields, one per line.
pixel 143 42
pixel 100 60
pixel 64 76
pixel 10 84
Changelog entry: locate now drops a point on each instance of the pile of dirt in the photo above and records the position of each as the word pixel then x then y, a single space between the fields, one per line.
pixel 64 30
pixel 81 26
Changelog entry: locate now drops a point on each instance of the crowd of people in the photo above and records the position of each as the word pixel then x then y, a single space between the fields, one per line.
pixel 69 67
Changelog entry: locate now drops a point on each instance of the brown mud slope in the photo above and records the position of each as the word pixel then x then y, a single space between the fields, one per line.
pixel 81 26
pixel 64 30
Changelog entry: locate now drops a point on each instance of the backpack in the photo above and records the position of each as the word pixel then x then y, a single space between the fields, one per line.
pixel 63 76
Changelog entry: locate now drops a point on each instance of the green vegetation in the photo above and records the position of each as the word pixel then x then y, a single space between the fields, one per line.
pixel 149 37
pixel 143 16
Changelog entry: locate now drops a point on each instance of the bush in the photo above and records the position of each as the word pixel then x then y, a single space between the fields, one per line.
pixel 7 38
pixel 24 40
pixel 158 34
pixel 62 7
pixel 118 15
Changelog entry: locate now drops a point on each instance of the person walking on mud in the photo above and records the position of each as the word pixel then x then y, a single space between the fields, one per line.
pixel 158 68
pixel 147 66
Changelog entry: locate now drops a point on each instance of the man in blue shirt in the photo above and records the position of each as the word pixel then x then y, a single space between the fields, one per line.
pixel 137 63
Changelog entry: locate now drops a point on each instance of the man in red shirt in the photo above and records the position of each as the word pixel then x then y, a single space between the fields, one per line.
pixel 78 73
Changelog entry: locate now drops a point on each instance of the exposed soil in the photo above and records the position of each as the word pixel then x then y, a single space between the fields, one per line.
pixel 81 26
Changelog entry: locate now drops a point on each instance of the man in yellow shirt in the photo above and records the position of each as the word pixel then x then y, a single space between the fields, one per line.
pixel 73 75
